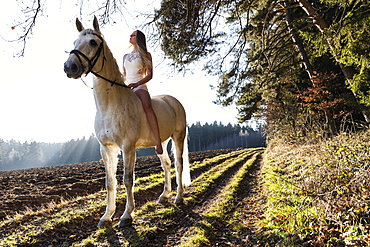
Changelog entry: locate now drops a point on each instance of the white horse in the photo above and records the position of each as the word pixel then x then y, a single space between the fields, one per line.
pixel 121 123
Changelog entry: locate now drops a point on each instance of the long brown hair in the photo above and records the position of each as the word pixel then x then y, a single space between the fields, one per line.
pixel 144 54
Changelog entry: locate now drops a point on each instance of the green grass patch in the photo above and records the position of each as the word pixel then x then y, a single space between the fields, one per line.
pixel 287 208
pixel 219 211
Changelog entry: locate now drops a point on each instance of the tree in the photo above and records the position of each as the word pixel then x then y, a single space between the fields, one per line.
pixel 340 49
pixel 91 151
pixel 32 154
pixel 297 40
pixel 252 46
pixel 219 136
pixel 31 11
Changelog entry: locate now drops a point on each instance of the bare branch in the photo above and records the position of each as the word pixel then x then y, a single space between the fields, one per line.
pixel 31 14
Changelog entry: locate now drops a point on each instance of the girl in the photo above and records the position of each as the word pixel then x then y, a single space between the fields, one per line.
pixel 137 71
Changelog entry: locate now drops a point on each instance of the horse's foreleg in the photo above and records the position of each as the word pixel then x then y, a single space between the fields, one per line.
pixel 129 164
pixel 109 155
pixel 166 165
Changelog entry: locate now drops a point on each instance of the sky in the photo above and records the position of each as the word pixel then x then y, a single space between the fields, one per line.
pixel 39 103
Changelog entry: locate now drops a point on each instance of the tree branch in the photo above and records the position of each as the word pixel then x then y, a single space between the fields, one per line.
pixel 28 25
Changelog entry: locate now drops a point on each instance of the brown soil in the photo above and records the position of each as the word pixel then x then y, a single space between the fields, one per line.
pixel 31 189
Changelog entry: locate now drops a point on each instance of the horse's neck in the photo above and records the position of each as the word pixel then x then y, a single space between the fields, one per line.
pixel 110 97
pixel 110 69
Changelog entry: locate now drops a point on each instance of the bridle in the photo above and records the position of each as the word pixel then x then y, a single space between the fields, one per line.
pixel 93 61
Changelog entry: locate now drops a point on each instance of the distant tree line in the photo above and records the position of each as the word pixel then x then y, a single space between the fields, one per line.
pixel 17 155
pixel 219 136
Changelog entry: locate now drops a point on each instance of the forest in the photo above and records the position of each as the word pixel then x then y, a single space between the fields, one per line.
pixel 303 66
pixel 16 155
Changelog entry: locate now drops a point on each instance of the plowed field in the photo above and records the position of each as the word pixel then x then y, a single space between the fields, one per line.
pixel 61 205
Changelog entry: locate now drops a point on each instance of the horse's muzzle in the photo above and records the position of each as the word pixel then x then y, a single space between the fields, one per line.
pixel 72 69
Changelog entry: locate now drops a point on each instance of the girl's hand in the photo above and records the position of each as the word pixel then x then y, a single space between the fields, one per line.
pixel 133 85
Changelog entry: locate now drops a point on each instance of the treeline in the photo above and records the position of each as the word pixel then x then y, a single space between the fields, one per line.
pixel 17 155
pixel 219 136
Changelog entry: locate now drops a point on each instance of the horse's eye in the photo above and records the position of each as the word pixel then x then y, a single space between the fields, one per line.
pixel 93 42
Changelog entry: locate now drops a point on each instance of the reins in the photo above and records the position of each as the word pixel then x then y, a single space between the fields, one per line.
pixel 93 61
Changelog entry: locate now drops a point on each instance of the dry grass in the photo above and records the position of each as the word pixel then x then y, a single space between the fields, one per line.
pixel 319 193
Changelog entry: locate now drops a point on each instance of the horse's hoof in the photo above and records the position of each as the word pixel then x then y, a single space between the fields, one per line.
pixel 104 223
pixel 179 201
pixel 125 222
pixel 163 199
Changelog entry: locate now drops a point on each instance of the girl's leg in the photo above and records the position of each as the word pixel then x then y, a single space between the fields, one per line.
pixel 152 118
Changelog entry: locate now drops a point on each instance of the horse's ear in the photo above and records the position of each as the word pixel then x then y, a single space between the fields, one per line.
pixel 96 25
pixel 79 25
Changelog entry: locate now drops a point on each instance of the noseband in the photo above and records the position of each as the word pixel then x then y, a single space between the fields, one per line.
pixel 93 61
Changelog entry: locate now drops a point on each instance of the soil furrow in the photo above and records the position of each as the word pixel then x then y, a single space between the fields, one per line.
pixel 153 193
pixel 241 229
pixel 30 189
pixel 131 233
pixel 219 184
pixel 69 230
pixel 170 228
pixel 209 201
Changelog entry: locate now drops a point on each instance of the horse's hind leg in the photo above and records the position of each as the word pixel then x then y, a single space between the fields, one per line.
pixel 178 139
pixel 166 165
pixel 109 155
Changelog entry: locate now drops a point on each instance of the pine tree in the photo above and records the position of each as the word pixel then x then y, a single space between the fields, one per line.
pixel 262 51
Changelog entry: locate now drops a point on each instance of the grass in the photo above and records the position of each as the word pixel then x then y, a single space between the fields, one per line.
pixel 219 211
pixel 318 193
pixel 46 220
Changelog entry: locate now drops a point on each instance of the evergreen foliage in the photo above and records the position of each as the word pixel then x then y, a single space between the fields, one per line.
pixel 219 136
pixel 293 63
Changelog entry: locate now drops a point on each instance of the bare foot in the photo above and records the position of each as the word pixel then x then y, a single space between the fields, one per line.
pixel 158 149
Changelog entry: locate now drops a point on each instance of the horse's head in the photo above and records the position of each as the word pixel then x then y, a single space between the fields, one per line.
pixel 86 52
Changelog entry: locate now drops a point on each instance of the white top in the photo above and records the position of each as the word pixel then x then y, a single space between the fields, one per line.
pixel 134 69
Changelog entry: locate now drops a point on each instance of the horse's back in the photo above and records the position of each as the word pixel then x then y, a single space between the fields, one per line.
pixel 164 103
pixel 170 113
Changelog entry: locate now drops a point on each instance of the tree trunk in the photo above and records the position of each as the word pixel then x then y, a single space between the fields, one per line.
pixel 297 41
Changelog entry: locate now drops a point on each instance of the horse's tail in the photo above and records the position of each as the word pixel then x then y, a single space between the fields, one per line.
pixel 186 179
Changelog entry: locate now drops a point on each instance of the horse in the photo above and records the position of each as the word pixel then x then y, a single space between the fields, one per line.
pixel 121 123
